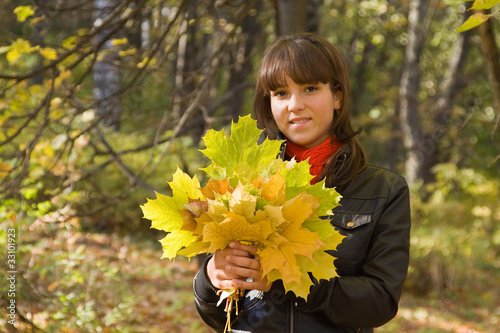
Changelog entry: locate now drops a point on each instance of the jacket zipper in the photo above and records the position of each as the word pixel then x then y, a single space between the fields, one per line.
pixel 292 316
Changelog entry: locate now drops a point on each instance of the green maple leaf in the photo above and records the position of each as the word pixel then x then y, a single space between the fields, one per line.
pixel 297 178
pixel 321 226
pixel 240 155
pixel 330 198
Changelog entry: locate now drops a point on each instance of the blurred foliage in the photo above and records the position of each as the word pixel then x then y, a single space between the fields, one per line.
pixel 456 234
pixel 70 281
pixel 71 187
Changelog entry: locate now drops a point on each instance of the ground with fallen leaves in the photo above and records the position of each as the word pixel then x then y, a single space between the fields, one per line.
pixel 70 281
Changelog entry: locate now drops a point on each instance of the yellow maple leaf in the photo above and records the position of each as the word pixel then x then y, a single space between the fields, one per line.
pixel 176 240
pixel 305 242
pixel 258 215
pixel 164 212
pixel 300 289
pixel 233 228
pixel 201 222
pixel 242 202
pixel 266 229
pixel 194 249
pixel 183 185
pixel 275 215
pixel 296 210
pixel 273 189
pixel 281 258
pixel 291 242
pixel 312 201
pixel 217 210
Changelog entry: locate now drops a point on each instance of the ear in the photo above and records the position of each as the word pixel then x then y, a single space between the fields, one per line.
pixel 337 100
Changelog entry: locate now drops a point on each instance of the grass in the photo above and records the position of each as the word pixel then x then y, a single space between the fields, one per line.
pixel 71 281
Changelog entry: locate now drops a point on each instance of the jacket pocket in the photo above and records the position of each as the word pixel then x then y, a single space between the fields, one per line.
pixel 357 229
pixel 349 221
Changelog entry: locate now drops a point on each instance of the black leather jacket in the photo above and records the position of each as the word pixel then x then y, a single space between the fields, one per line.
pixel 372 262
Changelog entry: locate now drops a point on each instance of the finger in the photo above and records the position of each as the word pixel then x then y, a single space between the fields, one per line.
pixel 261 285
pixel 244 262
pixel 243 272
pixel 244 247
pixel 238 252
pixel 227 284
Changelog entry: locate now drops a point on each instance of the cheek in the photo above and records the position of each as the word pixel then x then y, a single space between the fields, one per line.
pixel 277 112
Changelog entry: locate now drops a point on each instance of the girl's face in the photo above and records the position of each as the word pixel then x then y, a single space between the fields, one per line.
pixel 304 113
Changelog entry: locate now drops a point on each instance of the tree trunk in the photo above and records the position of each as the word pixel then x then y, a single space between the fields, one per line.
pixel 242 66
pixel 492 56
pixel 180 68
pixel 106 71
pixel 408 90
pixel 313 15
pixel 450 87
pixel 423 148
pixel 135 34
pixel 361 72
pixel 291 16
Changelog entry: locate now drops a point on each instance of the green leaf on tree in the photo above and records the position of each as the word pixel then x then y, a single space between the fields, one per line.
pixel 485 4
pixel 473 21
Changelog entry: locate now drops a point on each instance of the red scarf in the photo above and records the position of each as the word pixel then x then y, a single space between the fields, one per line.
pixel 318 155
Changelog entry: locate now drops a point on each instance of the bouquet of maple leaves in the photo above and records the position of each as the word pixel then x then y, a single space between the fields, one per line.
pixel 251 196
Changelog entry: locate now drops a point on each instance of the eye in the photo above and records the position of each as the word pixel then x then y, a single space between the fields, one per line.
pixel 311 88
pixel 278 93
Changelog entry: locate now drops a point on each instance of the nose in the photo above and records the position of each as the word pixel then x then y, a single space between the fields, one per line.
pixel 296 103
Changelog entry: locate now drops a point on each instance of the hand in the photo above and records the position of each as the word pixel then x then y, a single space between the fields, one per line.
pixel 232 267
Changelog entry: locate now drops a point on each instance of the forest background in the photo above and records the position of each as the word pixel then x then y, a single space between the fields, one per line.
pixel 101 100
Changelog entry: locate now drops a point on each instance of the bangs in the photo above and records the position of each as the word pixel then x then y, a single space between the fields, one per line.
pixel 303 62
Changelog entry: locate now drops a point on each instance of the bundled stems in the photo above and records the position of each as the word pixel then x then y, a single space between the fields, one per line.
pixel 231 302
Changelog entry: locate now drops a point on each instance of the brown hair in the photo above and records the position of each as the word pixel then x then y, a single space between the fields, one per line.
pixel 308 58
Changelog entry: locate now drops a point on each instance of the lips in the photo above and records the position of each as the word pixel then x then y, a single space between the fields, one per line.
pixel 299 120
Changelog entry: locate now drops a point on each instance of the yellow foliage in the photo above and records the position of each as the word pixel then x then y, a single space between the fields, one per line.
pixel 119 41
pixel 4 169
pixel 48 53
pixel 18 48
pixel 23 12
pixel 251 207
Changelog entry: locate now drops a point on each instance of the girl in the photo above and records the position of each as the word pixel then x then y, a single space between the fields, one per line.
pixel 303 96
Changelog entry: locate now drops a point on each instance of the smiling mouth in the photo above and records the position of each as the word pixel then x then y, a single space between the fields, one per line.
pixel 294 122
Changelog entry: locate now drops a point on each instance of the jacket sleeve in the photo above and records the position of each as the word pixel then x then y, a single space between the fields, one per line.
pixel 206 298
pixel 371 298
